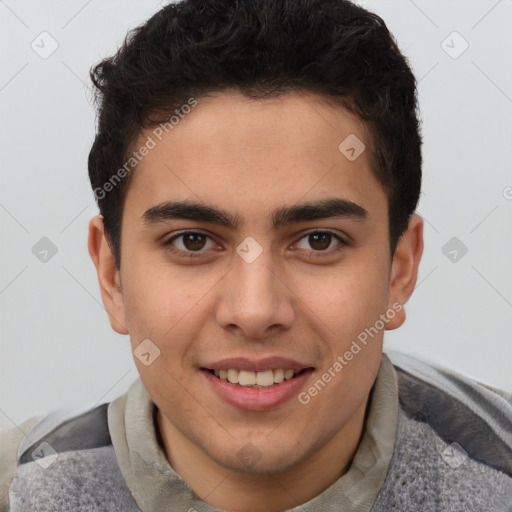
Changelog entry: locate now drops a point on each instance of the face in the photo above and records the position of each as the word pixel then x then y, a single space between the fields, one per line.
pixel 252 282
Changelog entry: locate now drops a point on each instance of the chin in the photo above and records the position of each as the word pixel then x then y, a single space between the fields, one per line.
pixel 264 466
pixel 259 458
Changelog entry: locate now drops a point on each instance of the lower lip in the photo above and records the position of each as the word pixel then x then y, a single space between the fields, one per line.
pixel 257 399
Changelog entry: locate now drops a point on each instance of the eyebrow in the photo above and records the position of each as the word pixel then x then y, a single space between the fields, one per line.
pixel 322 209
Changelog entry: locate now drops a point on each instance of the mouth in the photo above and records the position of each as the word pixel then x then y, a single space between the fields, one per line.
pixel 256 390
pixel 265 379
pixel 253 384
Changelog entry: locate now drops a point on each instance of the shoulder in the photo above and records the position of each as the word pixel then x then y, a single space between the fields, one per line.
pixel 454 439
pixel 458 408
pixel 10 440
pixel 28 451
pixel 64 430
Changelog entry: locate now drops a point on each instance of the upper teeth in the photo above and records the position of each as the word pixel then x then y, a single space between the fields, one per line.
pixel 248 378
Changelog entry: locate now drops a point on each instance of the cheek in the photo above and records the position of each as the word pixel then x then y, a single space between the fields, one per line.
pixel 348 300
pixel 157 296
pixel 167 307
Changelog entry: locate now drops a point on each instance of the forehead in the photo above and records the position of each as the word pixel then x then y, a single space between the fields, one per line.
pixel 256 155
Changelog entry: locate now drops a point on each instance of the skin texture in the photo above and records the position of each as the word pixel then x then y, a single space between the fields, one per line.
pixel 299 299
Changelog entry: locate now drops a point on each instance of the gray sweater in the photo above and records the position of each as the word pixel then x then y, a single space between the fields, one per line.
pixel 434 441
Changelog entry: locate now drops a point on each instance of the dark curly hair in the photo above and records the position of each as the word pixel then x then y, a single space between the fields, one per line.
pixel 261 48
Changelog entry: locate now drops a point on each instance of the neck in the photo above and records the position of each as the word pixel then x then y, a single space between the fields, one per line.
pixel 272 492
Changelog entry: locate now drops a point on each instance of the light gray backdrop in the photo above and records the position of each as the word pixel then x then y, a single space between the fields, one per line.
pixel 56 345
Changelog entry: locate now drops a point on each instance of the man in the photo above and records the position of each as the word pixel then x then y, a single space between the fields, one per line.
pixel 257 165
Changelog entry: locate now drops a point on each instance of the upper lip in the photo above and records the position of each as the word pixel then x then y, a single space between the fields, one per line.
pixel 256 365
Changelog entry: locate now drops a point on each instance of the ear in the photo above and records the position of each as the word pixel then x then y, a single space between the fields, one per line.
pixel 108 276
pixel 404 270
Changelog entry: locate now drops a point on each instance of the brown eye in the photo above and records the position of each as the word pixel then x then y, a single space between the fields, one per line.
pixel 194 241
pixel 189 242
pixel 320 241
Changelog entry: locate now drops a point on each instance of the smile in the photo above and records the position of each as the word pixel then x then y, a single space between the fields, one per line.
pixel 256 390
pixel 256 380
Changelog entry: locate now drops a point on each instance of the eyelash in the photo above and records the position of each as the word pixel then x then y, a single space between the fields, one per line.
pixel 194 254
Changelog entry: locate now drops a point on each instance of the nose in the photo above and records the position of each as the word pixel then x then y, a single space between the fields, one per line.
pixel 254 299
